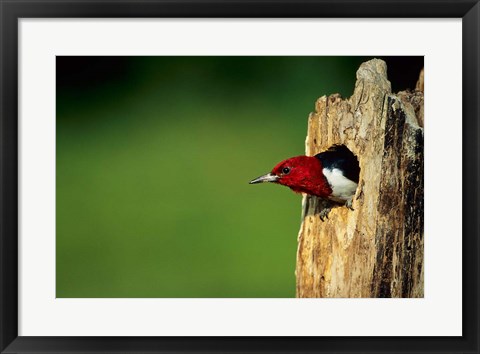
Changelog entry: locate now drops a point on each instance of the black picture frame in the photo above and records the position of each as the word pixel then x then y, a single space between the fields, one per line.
pixel 13 10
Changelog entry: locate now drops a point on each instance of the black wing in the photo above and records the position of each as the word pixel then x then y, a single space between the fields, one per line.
pixel 338 156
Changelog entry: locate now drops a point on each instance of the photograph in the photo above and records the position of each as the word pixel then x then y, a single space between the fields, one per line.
pixel 239 176
pixel 170 176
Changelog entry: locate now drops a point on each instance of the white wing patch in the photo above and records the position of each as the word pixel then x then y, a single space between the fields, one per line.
pixel 342 187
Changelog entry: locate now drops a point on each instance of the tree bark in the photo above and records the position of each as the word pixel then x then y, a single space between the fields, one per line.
pixel 377 249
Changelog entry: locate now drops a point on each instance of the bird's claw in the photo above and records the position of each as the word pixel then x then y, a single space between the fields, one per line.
pixel 328 207
pixel 324 213
pixel 349 204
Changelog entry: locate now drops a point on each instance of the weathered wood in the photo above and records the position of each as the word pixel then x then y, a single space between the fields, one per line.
pixel 377 249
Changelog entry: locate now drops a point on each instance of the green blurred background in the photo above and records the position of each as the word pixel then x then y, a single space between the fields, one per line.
pixel 154 155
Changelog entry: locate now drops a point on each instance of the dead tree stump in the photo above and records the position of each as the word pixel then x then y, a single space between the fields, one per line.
pixel 377 249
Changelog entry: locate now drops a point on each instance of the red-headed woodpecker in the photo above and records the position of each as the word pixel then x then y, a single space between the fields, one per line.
pixel 331 175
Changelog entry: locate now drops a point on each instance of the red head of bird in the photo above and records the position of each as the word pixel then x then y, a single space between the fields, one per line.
pixel 332 174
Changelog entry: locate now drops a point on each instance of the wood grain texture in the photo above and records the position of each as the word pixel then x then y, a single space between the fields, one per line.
pixel 377 249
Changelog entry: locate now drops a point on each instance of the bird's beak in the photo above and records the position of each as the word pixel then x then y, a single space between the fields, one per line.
pixel 269 177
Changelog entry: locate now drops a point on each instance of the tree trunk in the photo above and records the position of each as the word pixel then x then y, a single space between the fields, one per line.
pixel 377 249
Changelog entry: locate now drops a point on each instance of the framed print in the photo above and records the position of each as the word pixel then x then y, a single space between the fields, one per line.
pixel 135 137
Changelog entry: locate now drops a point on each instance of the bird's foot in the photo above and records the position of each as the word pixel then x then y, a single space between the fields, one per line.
pixel 349 203
pixel 324 212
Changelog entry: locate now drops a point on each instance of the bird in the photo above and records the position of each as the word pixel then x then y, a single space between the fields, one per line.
pixel 332 175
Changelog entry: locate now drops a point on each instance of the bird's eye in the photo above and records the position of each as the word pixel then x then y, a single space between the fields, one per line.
pixel 285 170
